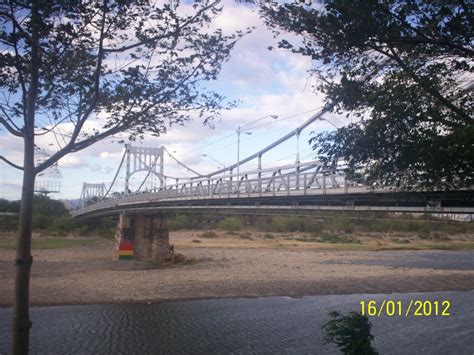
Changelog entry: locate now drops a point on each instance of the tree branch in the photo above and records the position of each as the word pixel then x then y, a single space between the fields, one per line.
pixel 77 129
pixel 70 148
pixel 160 37
pixel 428 88
pixel 18 66
pixel 427 40
pixel 9 128
pixel 10 163
pixel 17 25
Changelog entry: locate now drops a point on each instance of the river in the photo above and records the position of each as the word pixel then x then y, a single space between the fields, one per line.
pixel 257 326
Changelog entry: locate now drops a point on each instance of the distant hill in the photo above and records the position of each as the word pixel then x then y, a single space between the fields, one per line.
pixel 71 204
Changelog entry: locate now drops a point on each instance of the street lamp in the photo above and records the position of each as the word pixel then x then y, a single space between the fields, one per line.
pixel 239 131
pixel 325 119
pixel 217 161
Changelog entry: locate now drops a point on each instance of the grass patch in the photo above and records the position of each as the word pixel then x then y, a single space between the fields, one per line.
pixel 294 224
pixel 230 224
pixel 268 236
pixel 50 243
pixel 429 246
pixel 246 235
pixel 336 239
pixel 208 234
pixel 181 222
pixel 401 241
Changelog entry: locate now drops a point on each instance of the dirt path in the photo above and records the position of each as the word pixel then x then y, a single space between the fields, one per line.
pixel 246 268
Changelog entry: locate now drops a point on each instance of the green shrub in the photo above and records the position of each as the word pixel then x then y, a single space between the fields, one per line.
pixel 246 235
pixel 230 224
pixel 41 221
pixel 63 224
pixel 345 225
pixel 81 230
pixel 43 205
pixel 335 239
pixel 289 224
pixel 208 234
pixel 351 333
pixel 401 241
pixel 8 222
pixel 179 222
pixel 268 236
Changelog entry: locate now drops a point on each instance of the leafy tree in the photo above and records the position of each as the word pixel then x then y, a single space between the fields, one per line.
pixel 351 333
pixel 9 206
pixel 402 71
pixel 48 207
pixel 76 72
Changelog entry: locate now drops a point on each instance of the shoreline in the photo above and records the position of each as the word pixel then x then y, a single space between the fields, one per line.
pixel 211 298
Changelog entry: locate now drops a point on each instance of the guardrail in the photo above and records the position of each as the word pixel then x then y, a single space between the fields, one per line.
pixel 288 180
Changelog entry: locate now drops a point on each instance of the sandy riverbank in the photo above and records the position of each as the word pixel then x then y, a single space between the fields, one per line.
pixel 229 266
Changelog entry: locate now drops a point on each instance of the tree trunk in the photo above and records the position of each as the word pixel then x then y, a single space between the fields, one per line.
pixel 21 318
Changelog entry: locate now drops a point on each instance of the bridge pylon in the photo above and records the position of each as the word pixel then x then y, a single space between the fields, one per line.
pixel 90 191
pixel 147 159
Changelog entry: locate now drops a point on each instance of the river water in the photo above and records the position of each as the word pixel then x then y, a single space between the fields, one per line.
pixel 258 326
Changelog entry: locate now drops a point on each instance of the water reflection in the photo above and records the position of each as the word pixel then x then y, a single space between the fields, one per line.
pixel 266 325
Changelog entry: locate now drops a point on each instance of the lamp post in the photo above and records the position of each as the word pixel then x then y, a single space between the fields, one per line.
pixel 325 119
pixel 239 131
pixel 215 160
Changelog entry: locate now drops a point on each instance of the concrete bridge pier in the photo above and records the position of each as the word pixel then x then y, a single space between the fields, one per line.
pixel 147 233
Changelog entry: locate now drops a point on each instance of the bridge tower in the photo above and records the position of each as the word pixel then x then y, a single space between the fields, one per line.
pixel 144 159
pixel 90 191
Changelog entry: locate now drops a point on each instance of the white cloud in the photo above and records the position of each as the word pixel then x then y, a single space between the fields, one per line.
pixel 266 82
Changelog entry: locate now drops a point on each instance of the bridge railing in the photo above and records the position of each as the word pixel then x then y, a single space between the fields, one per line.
pixel 288 180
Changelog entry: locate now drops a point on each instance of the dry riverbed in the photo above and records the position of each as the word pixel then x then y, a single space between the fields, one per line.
pixel 243 264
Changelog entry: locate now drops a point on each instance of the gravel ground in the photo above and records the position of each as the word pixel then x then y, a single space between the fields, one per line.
pixel 89 275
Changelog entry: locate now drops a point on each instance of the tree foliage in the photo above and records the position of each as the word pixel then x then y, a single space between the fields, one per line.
pixel 123 65
pixel 403 72
pixel 75 72
pixel 351 333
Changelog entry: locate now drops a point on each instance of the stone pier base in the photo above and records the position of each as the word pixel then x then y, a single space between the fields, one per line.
pixel 148 234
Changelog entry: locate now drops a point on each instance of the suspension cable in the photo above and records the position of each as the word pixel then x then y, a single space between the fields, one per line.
pixel 116 174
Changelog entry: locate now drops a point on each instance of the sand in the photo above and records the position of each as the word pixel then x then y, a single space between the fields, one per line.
pixel 226 266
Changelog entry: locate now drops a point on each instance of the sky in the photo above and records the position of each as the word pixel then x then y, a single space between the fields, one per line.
pixel 266 83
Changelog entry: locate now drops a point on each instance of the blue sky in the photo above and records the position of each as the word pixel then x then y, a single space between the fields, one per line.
pixel 265 82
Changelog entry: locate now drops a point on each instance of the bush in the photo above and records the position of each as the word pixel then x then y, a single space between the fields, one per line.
pixel 288 224
pixel 43 205
pixel 8 222
pixel 82 230
pixel 345 225
pixel 350 333
pixel 178 222
pixel 335 239
pixel 63 224
pixel 230 224
pixel 246 235
pixel 41 221
pixel 208 234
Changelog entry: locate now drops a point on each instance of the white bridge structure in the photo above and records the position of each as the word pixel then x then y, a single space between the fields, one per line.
pixel 302 185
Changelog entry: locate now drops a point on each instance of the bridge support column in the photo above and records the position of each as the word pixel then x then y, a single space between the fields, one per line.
pixel 148 234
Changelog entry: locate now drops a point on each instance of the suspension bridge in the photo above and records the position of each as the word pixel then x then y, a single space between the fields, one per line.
pixel 302 186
